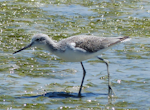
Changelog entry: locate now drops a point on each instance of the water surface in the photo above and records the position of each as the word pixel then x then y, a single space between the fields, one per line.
pixel 36 79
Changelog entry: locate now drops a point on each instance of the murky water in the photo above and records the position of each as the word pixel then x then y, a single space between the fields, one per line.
pixel 36 79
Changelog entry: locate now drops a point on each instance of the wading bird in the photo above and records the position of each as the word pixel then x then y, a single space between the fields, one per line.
pixel 77 49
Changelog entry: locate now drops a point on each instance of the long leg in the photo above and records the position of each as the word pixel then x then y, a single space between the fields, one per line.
pixel 110 90
pixel 84 73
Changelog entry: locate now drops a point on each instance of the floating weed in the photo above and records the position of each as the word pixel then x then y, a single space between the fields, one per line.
pixel 42 55
pixel 123 104
pixel 90 84
pixel 132 76
pixel 71 71
pixel 35 106
pixel 12 76
pixel 132 82
pixel 61 19
pixel 34 83
pixel 52 85
pixel 6 98
pixel 28 89
pixel 41 98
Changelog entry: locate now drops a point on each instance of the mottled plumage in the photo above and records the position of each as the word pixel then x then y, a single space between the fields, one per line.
pixel 91 43
pixel 77 49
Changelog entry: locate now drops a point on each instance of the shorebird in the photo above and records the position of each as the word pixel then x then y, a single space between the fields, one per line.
pixel 77 49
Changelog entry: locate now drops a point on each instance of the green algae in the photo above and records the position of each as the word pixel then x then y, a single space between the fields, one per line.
pixel 20 19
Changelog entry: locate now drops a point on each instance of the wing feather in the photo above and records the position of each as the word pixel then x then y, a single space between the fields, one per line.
pixel 91 43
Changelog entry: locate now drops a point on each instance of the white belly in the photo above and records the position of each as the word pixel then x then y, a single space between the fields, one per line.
pixel 76 55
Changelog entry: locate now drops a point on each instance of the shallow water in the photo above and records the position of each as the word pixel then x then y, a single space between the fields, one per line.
pixel 36 79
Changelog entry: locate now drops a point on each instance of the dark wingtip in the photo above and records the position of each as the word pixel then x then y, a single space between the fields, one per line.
pixel 121 39
pixel 125 38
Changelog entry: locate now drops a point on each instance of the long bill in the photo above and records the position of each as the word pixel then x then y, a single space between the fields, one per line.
pixel 24 48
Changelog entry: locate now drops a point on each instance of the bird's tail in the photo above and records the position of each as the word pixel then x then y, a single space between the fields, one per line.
pixel 125 39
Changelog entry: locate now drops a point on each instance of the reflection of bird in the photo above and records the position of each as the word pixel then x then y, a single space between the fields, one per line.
pixel 77 49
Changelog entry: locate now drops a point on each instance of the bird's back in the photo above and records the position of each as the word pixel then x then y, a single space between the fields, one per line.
pixel 91 43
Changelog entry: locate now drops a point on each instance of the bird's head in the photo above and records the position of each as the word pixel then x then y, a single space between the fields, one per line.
pixel 38 40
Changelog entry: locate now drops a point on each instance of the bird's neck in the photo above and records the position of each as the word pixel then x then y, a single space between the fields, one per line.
pixel 51 45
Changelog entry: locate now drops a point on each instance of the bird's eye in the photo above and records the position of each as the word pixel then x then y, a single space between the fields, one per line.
pixel 40 39
pixel 37 39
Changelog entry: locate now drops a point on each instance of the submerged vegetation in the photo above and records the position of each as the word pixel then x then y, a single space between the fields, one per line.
pixel 34 73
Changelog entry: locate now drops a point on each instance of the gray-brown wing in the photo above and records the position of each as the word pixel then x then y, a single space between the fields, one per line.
pixel 90 43
pixel 94 44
